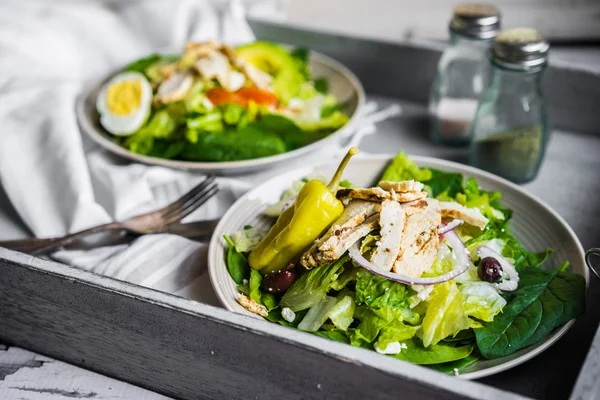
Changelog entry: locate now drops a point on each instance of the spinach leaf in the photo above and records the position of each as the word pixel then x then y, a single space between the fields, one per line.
pixel 377 292
pixel 243 144
pixel 544 301
pixel 268 300
pixel 416 353
pixel 321 85
pixel 237 265
pixel 337 335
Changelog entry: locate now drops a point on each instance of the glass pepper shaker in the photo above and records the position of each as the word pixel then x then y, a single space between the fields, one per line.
pixel 511 127
pixel 463 73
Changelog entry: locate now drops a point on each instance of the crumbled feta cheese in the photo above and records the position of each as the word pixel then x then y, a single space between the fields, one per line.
pixel 288 314
pixel 391 348
pixel 244 281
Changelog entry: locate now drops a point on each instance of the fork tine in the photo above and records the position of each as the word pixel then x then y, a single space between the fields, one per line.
pixel 191 200
pixel 192 205
pixel 187 196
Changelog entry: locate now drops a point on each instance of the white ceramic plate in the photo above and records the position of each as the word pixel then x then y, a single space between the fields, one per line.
pixel 343 84
pixel 534 223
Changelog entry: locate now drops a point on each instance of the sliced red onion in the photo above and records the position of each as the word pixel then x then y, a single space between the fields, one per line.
pixel 450 226
pixel 288 203
pixel 510 284
pixel 462 264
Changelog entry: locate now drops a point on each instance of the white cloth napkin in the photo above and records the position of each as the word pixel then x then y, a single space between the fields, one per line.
pixel 58 181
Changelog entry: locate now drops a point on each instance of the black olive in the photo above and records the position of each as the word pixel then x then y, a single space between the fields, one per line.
pixel 489 270
pixel 279 281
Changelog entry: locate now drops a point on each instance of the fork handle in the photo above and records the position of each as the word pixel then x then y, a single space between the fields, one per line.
pixel 42 246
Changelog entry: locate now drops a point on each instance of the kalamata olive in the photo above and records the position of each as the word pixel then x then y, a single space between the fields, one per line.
pixel 279 281
pixel 489 270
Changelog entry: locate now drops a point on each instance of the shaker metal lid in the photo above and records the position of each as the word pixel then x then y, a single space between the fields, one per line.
pixel 520 48
pixel 479 21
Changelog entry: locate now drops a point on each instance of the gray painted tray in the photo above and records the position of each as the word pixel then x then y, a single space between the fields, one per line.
pixel 190 350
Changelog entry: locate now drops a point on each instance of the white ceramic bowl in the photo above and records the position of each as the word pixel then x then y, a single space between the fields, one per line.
pixel 343 84
pixel 534 223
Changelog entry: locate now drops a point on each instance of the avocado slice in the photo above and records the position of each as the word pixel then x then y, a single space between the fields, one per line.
pixel 277 61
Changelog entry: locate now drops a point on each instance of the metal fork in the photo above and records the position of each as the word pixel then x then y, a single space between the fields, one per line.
pixel 152 222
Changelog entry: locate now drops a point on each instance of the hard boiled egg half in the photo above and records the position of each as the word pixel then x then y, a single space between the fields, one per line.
pixel 124 103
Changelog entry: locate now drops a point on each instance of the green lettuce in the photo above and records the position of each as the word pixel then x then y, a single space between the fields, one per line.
pixel 482 301
pixel 402 169
pixel 378 292
pixel 445 314
pixel 312 287
pixel 414 352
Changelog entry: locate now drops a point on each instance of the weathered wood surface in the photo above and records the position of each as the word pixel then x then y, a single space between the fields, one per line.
pixel 28 376
pixel 588 383
pixel 190 350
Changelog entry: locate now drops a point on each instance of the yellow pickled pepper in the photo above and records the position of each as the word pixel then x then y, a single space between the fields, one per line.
pixel 314 210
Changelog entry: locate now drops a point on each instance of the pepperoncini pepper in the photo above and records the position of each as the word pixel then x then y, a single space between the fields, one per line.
pixel 314 210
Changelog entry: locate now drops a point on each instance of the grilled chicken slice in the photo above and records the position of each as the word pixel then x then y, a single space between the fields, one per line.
pixel 417 206
pixel 354 214
pixel 420 228
pixel 252 306
pixel 337 244
pixel 174 89
pixel 419 257
pixel 214 65
pixel 257 76
pixel 471 216
pixel 405 197
pixel 391 222
pixel 370 194
pixel 404 186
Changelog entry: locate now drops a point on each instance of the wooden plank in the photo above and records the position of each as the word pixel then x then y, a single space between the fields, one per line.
pixel 587 386
pixel 186 349
pixel 406 71
pixel 396 20
pixel 28 376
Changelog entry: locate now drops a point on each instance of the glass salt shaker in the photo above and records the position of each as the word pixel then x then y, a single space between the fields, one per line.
pixel 511 127
pixel 463 73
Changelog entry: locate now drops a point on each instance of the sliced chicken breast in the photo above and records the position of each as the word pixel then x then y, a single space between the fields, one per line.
pixel 252 306
pixel 405 197
pixel 214 65
pixel 370 194
pixel 354 214
pixel 404 186
pixel 419 257
pixel 337 244
pixel 175 88
pixel 471 216
pixel 391 222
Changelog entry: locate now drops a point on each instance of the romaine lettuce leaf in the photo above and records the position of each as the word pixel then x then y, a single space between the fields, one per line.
pixel 312 287
pixel 445 315
pixel 402 169
pixel 396 332
pixel 377 292
pixel 482 300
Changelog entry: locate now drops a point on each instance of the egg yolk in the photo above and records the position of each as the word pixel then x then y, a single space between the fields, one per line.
pixel 123 98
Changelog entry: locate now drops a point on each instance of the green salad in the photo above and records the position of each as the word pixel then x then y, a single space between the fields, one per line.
pixel 421 267
pixel 217 103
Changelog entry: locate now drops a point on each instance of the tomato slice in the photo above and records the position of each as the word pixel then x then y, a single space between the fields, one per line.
pixel 259 96
pixel 220 96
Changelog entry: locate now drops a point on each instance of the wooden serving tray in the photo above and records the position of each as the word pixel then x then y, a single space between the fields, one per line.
pixel 190 350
